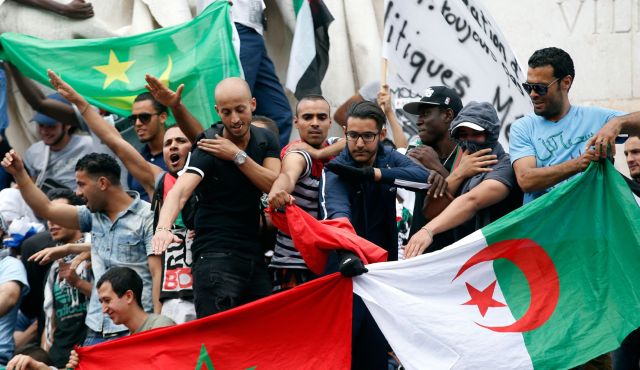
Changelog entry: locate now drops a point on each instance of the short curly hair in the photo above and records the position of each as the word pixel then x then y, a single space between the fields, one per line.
pixel 557 58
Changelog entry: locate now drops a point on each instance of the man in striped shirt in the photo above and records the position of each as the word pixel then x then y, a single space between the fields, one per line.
pixel 299 180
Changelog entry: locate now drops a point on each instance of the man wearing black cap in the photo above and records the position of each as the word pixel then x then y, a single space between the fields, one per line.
pixel 436 151
pixel 481 197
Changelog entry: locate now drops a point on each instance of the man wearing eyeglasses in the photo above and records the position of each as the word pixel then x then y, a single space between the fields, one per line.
pixel 361 184
pixel 148 118
pixel 549 147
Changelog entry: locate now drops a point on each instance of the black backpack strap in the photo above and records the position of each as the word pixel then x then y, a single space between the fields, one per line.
pixel 156 202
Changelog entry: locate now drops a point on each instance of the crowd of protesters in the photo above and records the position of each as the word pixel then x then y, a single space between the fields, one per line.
pixel 163 225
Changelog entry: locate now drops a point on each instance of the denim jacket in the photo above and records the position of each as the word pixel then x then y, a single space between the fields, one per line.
pixel 126 242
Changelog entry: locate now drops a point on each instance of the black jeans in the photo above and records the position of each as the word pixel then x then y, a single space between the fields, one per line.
pixel 224 280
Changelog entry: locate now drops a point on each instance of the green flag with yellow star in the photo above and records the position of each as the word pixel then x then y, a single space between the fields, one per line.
pixel 110 72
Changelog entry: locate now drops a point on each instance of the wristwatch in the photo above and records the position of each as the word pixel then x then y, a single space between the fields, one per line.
pixel 240 158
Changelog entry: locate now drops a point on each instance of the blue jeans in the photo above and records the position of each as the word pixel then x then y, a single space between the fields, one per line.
pixel 224 280
pixel 260 74
pixel 93 337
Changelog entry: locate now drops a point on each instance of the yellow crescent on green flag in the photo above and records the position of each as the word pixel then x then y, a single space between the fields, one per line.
pixel 110 72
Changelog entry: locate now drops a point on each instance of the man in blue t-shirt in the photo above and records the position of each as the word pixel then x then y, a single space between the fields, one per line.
pixel 553 145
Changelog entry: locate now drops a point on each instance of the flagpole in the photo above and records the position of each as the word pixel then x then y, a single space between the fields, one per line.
pixel 383 77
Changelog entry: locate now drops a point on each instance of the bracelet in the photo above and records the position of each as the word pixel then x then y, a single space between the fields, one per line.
pixel 163 229
pixel 425 228
pixel 85 109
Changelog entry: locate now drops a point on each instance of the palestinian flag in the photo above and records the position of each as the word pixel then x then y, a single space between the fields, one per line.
pixel 308 327
pixel 549 286
pixel 109 73
pixel 309 57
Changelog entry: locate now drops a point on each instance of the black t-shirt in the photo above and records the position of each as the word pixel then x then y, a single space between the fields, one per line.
pixel 227 218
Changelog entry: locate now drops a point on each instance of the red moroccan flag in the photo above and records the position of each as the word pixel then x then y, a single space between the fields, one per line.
pixel 308 327
pixel 316 239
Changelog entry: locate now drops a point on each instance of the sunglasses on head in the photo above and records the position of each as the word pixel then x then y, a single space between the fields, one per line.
pixel 540 89
pixel 143 117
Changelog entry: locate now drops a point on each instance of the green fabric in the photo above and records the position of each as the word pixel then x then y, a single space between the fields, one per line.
pixel 590 228
pixel 297 5
pixel 110 72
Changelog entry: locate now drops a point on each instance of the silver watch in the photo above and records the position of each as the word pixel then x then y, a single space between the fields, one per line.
pixel 240 158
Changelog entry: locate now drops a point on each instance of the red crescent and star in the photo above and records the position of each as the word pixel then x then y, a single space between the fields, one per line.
pixel 539 271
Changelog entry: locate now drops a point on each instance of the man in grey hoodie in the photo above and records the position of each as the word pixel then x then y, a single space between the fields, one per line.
pixel 477 195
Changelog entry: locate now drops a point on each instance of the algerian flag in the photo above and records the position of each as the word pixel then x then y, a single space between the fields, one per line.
pixel 551 285
pixel 309 57
pixel 110 72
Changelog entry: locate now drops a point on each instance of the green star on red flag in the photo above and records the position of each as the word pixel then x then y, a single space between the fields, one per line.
pixel 110 72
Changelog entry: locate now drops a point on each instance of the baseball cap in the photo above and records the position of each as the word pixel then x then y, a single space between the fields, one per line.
pixel 43 119
pixel 436 95
pixel 471 125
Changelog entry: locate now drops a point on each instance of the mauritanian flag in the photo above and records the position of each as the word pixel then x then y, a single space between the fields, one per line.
pixel 309 57
pixel 549 286
pixel 304 328
pixel 110 72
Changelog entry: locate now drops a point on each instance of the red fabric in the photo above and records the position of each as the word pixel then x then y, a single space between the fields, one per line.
pixel 308 327
pixel 169 181
pixel 316 239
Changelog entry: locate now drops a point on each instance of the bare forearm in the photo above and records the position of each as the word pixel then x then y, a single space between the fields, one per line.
pixel 32 94
pixel 187 122
pixel 283 183
pixel 135 163
pixel 171 207
pixel 34 197
pixel 262 177
pixel 399 139
pixel 541 178
pixel 77 248
pixel 84 287
pixel 457 213
pixel 453 182
pixel 44 4
pixel 631 123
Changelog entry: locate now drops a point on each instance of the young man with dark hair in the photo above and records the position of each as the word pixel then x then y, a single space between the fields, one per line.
pixel 120 223
pixel 148 117
pixel 67 290
pixel 361 184
pixel 231 166
pixel 298 183
pixel 176 294
pixel 553 145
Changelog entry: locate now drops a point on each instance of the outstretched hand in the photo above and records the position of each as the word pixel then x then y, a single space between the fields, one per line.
pixel 162 93
pixel 66 90
pixel 162 239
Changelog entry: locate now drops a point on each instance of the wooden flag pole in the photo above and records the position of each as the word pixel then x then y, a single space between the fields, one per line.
pixel 383 78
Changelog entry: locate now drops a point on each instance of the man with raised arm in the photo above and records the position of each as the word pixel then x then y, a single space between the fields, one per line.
pixel 120 225
pixel 299 181
pixel 231 166
pixel 176 294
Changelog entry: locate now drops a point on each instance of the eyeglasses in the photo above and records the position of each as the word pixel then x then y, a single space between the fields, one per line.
pixel 367 137
pixel 540 89
pixel 143 117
